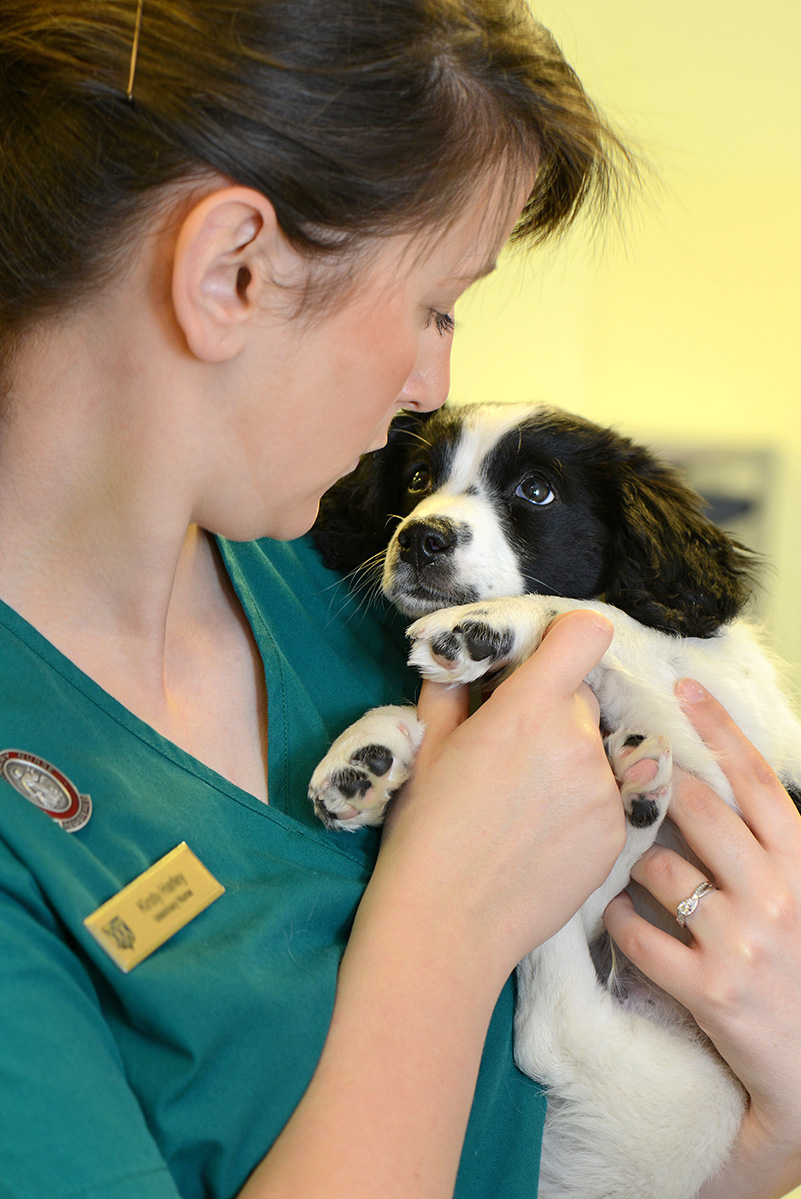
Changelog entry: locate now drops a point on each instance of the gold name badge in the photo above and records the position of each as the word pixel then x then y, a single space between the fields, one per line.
pixel 146 913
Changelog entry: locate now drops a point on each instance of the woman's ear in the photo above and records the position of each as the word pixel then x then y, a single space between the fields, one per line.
pixel 226 251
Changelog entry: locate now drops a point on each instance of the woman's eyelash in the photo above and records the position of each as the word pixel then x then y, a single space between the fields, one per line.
pixel 444 322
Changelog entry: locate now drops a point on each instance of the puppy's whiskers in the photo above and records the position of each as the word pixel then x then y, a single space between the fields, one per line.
pixel 537 586
pixel 413 435
pixel 366 578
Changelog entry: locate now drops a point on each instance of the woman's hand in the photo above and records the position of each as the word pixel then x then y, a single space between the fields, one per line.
pixel 513 817
pixel 740 976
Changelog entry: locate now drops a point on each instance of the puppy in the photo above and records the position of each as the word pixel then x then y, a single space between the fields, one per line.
pixel 484 523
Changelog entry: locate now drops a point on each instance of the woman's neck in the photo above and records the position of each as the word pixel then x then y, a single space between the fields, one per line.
pixel 97 546
pixel 99 552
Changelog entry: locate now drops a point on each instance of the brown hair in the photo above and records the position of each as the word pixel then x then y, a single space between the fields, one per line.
pixel 355 118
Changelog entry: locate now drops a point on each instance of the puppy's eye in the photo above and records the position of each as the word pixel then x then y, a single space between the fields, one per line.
pixel 536 491
pixel 420 480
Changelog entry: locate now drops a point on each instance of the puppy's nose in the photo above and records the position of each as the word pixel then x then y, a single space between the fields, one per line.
pixel 422 541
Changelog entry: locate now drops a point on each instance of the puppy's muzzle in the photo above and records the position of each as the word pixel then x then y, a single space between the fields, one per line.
pixel 423 565
pixel 422 543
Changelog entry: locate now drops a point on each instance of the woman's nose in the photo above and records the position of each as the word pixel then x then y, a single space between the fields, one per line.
pixel 428 385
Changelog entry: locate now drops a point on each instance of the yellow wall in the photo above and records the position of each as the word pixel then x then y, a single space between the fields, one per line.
pixel 689 329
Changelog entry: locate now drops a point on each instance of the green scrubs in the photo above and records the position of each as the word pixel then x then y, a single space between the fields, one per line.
pixel 174 1080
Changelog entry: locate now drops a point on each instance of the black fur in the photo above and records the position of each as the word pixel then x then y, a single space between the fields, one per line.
pixel 625 526
pixel 358 514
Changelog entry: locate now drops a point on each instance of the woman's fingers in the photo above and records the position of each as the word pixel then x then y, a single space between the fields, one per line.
pixel 572 645
pixel 665 960
pixel 672 880
pixel 442 708
pixel 739 972
pixel 715 833
pixel 766 807
pixel 735 851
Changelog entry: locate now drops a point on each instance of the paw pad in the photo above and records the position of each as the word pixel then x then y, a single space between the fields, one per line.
pixel 447 646
pixel 350 782
pixel 376 758
pixel 642 812
pixel 482 641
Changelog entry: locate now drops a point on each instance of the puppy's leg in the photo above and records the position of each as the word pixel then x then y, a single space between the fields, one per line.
pixel 643 767
pixel 365 766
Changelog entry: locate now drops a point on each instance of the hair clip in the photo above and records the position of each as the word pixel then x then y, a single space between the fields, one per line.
pixel 135 48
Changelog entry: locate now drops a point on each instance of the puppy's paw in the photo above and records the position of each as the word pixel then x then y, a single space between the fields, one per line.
pixel 364 768
pixel 458 645
pixel 643 768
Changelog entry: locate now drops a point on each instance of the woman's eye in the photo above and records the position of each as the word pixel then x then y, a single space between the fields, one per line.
pixel 420 480
pixel 535 490
pixel 444 322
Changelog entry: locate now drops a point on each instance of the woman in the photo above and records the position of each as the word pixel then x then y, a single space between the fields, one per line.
pixel 234 232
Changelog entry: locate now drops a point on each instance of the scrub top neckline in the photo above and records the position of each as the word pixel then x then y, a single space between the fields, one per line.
pixel 270 658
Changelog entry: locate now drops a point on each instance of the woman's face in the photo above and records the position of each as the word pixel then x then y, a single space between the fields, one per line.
pixel 326 389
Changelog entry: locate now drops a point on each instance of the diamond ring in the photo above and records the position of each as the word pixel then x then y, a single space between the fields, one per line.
pixel 688 906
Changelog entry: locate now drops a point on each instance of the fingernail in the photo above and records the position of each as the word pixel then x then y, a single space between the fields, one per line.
pixel 690 692
pixel 601 622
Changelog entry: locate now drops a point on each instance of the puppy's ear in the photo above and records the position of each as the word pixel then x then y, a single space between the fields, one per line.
pixel 670 567
pixel 358 514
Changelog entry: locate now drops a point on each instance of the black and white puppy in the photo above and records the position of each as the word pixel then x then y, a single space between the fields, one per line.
pixel 485 522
